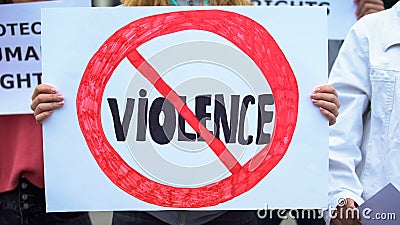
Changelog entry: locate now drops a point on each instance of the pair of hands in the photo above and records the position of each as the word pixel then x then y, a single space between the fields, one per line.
pixel 365 7
pixel 45 100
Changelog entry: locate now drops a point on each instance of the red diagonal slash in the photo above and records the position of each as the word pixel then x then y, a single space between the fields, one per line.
pixel 216 145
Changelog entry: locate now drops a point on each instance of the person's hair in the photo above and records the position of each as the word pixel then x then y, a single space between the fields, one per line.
pixel 6 1
pixel 166 2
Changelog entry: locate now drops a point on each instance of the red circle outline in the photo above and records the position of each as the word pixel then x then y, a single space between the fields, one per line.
pixel 249 36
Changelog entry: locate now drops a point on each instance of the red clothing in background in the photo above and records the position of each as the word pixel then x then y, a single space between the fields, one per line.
pixel 21 151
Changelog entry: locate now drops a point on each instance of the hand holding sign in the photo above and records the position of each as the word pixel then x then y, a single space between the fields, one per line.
pixel 44 101
pixel 326 98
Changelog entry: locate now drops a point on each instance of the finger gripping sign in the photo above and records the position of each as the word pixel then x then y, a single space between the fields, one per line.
pixel 251 38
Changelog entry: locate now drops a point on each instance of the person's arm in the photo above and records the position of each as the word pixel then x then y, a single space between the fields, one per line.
pixel 365 7
pixel 350 77
pixel 45 100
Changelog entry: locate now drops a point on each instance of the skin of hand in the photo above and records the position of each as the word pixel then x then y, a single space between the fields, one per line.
pixel 45 100
pixel 365 7
pixel 326 98
pixel 346 213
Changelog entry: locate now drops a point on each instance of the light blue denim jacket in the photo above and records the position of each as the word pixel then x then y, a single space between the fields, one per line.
pixel 364 144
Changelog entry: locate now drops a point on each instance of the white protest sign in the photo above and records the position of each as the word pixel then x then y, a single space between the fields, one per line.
pixel 147 90
pixel 341 13
pixel 20 52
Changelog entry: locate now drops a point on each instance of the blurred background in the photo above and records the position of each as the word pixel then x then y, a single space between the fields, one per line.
pixel 103 3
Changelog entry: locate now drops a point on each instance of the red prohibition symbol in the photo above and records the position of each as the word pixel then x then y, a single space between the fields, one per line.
pixel 251 38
